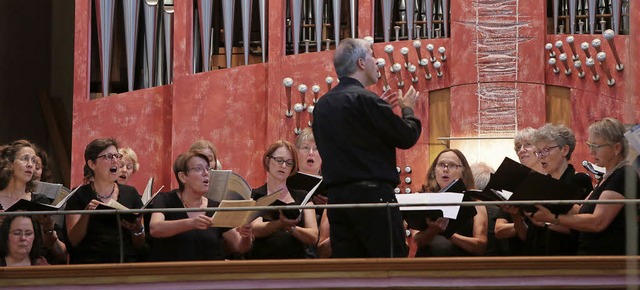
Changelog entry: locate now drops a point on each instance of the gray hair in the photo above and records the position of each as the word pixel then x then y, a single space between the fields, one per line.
pixel 611 130
pixel 347 55
pixel 523 135
pixel 481 174
pixel 559 134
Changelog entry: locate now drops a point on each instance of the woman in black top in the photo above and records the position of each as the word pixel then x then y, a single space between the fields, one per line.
pixel 556 143
pixel 280 235
pixel 18 161
pixel 601 227
pixel 188 236
pixel 470 238
pixel 97 238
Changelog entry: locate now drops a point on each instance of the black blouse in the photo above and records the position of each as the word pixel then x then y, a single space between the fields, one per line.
pixel 193 245
pixel 612 240
pixel 281 244
pixel 101 243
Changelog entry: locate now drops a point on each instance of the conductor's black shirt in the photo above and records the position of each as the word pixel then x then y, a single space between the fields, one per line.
pixel 357 134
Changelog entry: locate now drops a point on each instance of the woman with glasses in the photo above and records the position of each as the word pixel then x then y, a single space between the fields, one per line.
pixel 128 165
pixel 471 238
pixel 510 225
pixel 282 234
pixel 17 165
pixel 601 227
pixel 310 163
pixel 555 145
pixel 100 238
pixel 188 236
pixel 20 240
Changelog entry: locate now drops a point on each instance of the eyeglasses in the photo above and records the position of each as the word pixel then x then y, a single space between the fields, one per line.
pixel 200 169
pixel 448 166
pixel 281 161
pixel 544 152
pixel 525 146
pixel 595 147
pixel 128 165
pixel 111 156
pixel 20 233
pixel 27 158
pixel 307 149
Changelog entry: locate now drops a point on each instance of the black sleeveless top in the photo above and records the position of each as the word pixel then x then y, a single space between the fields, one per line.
pixel 542 241
pixel 281 244
pixel 612 240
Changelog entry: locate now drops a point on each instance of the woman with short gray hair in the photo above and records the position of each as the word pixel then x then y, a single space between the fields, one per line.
pixel 601 227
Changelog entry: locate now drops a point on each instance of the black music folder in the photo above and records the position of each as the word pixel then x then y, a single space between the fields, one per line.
pixel 527 185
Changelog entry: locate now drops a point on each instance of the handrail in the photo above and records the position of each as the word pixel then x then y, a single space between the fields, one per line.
pixel 354 205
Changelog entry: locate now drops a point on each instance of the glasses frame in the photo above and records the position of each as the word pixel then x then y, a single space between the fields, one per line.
pixel 110 156
pixel 526 146
pixel 450 167
pixel 596 147
pixel 199 169
pixel 544 152
pixel 280 161
pixel 307 149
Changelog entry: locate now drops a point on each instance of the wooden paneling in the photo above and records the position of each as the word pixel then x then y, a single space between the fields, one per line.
pixel 558 100
pixel 439 121
pixel 477 272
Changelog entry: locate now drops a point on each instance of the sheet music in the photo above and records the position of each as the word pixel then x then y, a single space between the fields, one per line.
pixel 445 197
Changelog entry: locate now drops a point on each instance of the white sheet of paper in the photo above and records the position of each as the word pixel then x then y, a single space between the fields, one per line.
pixel 443 197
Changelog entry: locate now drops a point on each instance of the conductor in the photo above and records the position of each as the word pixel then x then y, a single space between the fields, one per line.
pixel 357 134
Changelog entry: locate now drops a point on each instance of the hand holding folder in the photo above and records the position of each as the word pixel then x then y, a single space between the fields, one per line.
pixel 516 182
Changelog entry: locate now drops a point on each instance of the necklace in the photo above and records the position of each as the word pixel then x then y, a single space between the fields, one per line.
pixel 609 172
pixel 185 204
pixel 113 189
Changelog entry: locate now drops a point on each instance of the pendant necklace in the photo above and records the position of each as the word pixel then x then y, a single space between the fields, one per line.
pixel 113 189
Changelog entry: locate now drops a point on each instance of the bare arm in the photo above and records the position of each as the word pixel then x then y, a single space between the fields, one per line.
pixel 324 242
pixel 478 243
pixel 77 224
pixel 238 240
pixel 263 229
pixel 597 221
pixel 160 228
pixel 309 233
pixel 423 238
pixel 504 229
pixel 56 248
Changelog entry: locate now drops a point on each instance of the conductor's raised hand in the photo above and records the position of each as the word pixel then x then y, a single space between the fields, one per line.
pixel 391 97
pixel 408 100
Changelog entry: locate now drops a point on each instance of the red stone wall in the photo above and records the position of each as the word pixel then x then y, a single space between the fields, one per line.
pixel 241 109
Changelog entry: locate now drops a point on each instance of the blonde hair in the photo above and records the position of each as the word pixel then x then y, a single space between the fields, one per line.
pixel 131 155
